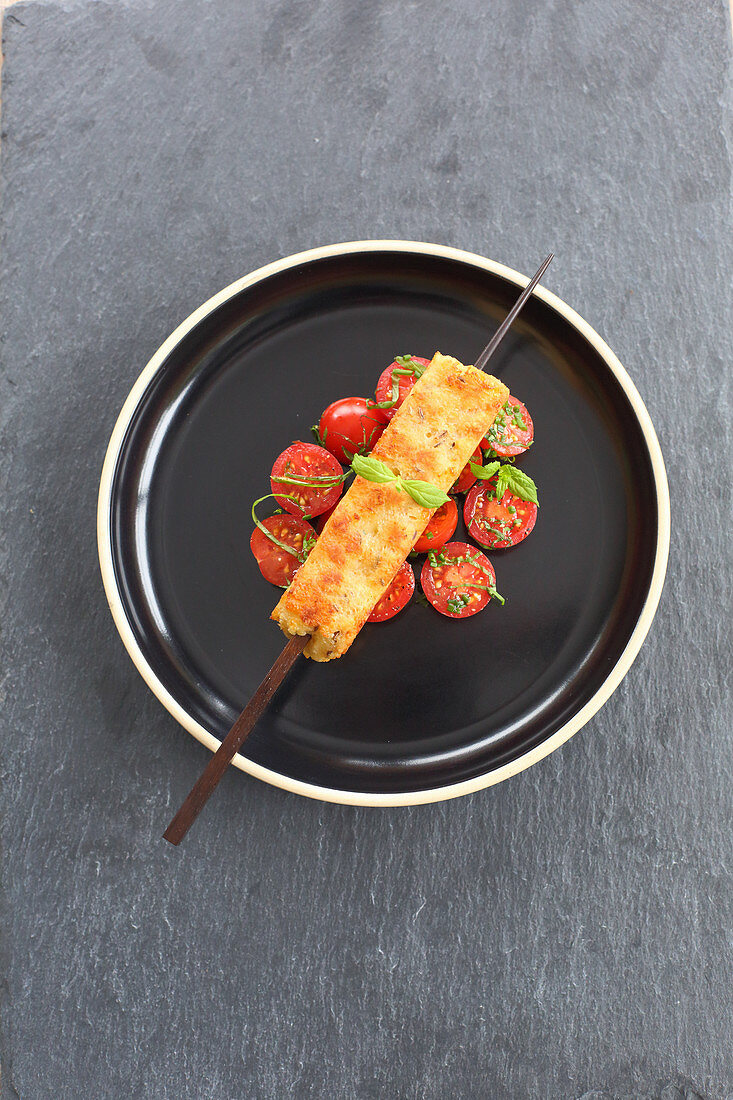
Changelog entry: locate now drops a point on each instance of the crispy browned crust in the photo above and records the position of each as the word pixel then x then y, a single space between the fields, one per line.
pixel 371 532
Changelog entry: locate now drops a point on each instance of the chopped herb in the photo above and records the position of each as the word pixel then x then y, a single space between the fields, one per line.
pixel 407 368
pixel 308 542
pixel 270 536
pixel 438 557
pixel 457 603
pixel 320 439
pixel 318 481
pixel 493 594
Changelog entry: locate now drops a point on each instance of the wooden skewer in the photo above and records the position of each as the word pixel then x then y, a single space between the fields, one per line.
pixel 233 741
pixel 222 758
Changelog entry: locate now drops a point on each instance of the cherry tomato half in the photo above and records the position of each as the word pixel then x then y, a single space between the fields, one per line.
pixel 497 523
pixel 348 427
pixel 512 432
pixel 277 565
pixel 466 478
pixel 404 379
pixel 324 517
pixel 310 475
pixel 458 580
pixel 440 528
pixel 397 596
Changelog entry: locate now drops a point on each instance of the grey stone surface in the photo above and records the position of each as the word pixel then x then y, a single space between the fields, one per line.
pixel 567 934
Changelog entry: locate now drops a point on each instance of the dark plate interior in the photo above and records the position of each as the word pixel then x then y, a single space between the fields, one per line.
pixel 419 702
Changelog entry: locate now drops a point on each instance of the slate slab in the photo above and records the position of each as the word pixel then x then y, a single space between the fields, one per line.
pixel 567 934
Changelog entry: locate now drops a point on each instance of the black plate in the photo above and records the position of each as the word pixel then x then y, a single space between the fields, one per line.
pixel 420 703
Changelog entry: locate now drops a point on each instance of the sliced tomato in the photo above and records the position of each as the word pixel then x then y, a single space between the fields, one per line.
pixel 458 580
pixel 397 596
pixel 466 478
pixel 497 523
pixel 403 373
pixel 310 475
pixel 350 427
pixel 279 566
pixel 440 528
pixel 512 432
pixel 324 517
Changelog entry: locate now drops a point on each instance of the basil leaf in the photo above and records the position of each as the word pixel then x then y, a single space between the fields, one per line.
pixel 484 472
pixel 425 494
pixel 502 481
pixel 371 469
pixel 520 484
pixel 509 477
pixel 422 492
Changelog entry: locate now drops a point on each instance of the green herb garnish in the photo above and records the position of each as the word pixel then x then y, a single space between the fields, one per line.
pixel 507 477
pixel 509 417
pixel 318 481
pixel 493 594
pixel 484 473
pixel 422 492
pixel 457 603
pixel 316 433
pixel 371 469
pixel 439 557
pixel 518 418
pixel 366 444
pixel 491 454
pixel 407 367
pixel 517 482
pixel 308 543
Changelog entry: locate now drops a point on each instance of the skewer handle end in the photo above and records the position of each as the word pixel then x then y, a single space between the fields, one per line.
pixel 222 758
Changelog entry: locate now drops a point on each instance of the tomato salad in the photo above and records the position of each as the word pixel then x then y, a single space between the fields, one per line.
pixel 499 510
